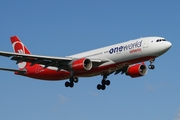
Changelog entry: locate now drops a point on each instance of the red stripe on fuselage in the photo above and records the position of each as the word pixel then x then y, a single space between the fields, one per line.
pixel 38 72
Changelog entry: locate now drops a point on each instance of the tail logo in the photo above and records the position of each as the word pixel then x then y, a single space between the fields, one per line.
pixel 19 48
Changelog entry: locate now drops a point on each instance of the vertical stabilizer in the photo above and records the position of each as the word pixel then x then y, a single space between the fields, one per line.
pixel 19 47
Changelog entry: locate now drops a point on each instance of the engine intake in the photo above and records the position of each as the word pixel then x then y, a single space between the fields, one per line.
pixel 81 65
pixel 137 70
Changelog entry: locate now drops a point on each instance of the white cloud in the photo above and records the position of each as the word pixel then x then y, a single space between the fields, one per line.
pixel 62 99
pixel 150 87
pixel 93 94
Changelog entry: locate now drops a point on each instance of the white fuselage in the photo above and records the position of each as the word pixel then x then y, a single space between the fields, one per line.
pixel 133 49
pixel 123 54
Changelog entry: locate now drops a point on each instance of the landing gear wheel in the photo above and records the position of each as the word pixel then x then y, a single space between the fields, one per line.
pixel 76 80
pixel 108 82
pixel 151 67
pixel 103 87
pixel 71 84
pixel 99 86
pixel 104 83
pixel 67 84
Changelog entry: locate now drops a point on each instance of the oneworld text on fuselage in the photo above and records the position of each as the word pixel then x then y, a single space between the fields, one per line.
pixel 130 46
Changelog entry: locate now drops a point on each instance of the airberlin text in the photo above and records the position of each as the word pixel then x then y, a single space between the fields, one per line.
pixel 132 47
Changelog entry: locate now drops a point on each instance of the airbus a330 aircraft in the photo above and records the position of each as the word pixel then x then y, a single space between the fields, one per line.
pixel 127 57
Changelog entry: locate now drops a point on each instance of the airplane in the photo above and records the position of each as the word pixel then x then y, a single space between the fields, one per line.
pixel 126 58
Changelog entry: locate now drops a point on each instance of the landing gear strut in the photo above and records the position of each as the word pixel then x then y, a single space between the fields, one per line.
pixel 71 82
pixel 151 66
pixel 103 84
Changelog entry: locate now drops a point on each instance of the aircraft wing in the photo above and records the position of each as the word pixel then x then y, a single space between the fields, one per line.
pixel 59 62
pixel 13 70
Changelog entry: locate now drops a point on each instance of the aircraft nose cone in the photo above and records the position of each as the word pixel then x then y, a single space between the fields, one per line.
pixel 168 45
pixel 165 46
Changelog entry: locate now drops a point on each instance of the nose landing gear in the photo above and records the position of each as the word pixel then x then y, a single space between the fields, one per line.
pixel 151 66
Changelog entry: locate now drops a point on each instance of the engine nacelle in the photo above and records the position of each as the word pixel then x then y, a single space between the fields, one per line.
pixel 137 70
pixel 81 65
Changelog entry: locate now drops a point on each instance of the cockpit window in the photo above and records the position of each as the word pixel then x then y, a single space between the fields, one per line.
pixel 159 40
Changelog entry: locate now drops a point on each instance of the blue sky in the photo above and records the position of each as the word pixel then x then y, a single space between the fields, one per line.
pixel 66 27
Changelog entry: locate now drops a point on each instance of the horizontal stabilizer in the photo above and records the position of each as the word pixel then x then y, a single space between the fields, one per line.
pixel 13 70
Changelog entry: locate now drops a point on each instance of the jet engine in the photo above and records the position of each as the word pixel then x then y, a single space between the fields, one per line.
pixel 137 70
pixel 81 65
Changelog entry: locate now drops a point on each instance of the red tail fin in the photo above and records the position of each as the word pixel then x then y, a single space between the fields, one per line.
pixel 19 47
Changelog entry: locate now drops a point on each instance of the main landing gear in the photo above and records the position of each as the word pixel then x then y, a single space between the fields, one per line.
pixel 71 82
pixel 103 84
pixel 151 66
